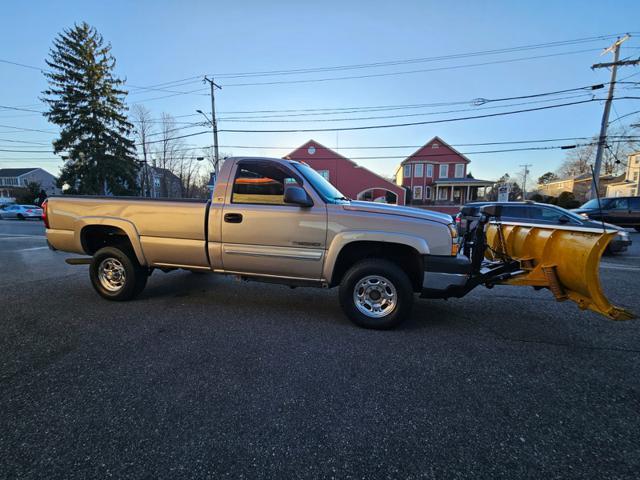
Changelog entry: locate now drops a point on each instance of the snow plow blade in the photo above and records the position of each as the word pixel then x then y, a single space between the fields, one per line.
pixel 563 259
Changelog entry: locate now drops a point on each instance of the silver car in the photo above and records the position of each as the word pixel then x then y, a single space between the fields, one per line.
pixel 21 212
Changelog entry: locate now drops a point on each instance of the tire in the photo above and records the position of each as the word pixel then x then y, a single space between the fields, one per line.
pixel 637 229
pixel 20 216
pixel 116 274
pixel 392 285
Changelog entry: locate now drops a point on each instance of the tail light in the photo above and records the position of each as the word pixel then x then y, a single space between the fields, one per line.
pixel 45 219
pixel 29 210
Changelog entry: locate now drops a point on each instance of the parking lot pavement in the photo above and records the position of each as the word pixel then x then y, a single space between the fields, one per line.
pixel 203 377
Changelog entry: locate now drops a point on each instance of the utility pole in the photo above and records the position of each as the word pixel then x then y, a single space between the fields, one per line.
pixel 524 179
pixel 602 139
pixel 214 123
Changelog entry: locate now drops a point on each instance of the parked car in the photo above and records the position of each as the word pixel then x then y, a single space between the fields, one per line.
pixel 621 211
pixel 544 214
pixel 21 212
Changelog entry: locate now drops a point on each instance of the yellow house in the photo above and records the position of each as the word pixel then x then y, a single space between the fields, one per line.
pixel 630 185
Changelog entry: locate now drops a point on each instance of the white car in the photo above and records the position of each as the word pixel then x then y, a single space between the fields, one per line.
pixel 21 212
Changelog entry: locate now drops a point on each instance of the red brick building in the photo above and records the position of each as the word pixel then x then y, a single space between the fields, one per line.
pixel 347 176
pixel 436 176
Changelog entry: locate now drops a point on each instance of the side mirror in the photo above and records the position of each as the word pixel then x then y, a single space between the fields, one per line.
pixel 492 210
pixel 297 196
pixel 468 211
pixel 564 219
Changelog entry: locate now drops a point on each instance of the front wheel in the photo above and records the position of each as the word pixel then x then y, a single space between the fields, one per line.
pixel 116 274
pixel 376 293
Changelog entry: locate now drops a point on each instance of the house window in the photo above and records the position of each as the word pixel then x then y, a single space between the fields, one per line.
pixel 419 170
pixel 435 145
pixel 407 171
pixel 417 193
pixel 427 192
pixel 635 176
pixel 444 171
pixel 325 174
pixel 429 170
pixel 443 194
pixel 459 170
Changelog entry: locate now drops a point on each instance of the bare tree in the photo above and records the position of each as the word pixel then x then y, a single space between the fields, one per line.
pixel 620 144
pixel 188 169
pixel 208 154
pixel 143 125
pixel 168 152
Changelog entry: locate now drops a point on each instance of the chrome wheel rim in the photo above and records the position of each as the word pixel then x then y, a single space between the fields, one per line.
pixel 111 274
pixel 375 296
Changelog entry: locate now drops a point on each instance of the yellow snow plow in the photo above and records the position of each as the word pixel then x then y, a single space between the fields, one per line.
pixel 563 259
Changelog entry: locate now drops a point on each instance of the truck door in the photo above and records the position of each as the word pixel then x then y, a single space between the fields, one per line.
pixel 263 235
pixel 618 212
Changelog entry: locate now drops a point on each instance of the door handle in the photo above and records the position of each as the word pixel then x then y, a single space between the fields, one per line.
pixel 233 217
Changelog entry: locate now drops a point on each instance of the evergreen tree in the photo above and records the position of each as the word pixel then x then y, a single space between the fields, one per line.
pixel 86 100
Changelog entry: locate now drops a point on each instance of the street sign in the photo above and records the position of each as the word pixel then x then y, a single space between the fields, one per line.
pixel 503 193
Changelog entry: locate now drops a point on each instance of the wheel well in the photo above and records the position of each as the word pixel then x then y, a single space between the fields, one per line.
pixel 95 237
pixel 405 256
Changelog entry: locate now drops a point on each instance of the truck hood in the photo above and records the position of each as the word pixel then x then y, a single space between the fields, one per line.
pixel 386 209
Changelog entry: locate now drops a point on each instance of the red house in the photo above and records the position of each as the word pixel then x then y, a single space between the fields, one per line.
pixel 347 176
pixel 436 176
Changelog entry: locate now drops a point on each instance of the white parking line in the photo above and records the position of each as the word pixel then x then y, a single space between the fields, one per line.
pixel 613 266
pixel 30 249
pixel 13 236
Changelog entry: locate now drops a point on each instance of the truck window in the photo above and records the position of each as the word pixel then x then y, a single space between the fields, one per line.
pixel 619 204
pixel 261 183
pixel 514 212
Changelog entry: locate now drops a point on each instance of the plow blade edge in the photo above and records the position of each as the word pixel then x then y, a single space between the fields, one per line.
pixel 562 259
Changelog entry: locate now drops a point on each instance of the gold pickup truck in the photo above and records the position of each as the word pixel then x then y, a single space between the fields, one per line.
pixel 280 221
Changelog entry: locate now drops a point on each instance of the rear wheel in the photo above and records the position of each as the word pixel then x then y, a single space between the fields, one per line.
pixel 116 274
pixel 376 293
pixel 20 216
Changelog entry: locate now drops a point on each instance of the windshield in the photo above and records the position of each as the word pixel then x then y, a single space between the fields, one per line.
pixel 594 203
pixel 327 191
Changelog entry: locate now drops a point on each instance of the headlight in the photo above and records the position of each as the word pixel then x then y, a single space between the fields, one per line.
pixel 584 215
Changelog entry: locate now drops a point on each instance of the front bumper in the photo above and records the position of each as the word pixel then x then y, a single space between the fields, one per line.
pixel 443 272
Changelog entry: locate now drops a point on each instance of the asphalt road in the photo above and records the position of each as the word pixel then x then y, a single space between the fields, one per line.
pixel 202 377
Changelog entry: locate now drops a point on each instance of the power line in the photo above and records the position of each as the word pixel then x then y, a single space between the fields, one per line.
pixel 425 156
pixel 426 122
pixel 406 72
pixel 619 139
pixel 403 115
pixel 416 60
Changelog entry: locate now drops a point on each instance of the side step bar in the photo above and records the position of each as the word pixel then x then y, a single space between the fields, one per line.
pixel 79 260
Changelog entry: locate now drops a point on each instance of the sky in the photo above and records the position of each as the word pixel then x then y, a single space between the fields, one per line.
pixel 156 42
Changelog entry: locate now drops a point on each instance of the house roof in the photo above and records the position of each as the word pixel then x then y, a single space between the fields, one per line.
pixel 16 172
pixel 356 165
pixel 438 140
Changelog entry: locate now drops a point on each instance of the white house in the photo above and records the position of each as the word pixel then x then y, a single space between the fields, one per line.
pixel 14 178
